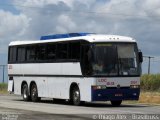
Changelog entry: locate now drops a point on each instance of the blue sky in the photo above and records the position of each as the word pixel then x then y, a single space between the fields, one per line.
pixel 29 19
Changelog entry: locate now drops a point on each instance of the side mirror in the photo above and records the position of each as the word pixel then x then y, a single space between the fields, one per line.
pixel 140 54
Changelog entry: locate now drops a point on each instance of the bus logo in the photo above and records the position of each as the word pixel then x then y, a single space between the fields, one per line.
pixel 102 80
pixel 118 86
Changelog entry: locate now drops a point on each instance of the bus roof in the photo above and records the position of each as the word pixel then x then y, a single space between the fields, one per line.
pixel 92 38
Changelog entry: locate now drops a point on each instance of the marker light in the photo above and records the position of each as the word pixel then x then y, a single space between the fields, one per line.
pixel 134 86
pixel 99 87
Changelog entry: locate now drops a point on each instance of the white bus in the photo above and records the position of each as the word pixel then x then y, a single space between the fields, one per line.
pixel 77 67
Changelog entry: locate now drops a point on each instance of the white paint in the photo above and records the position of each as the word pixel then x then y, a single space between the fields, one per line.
pixel 56 87
pixel 46 69
pixel 89 38
pixel 114 81
pixel 10 85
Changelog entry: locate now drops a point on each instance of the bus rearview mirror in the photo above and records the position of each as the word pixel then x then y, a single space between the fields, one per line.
pixel 140 56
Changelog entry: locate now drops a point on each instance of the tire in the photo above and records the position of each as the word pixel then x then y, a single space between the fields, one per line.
pixel 76 98
pixel 34 93
pixel 116 103
pixel 25 93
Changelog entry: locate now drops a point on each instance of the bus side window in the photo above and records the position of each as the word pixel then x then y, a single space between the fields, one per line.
pixel 12 54
pixel 85 58
pixel 62 51
pixel 51 51
pixel 21 54
pixel 30 53
pixel 41 52
pixel 74 51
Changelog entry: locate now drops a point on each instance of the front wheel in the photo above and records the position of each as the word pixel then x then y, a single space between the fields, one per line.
pixel 76 96
pixel 116 103
pixel 34 93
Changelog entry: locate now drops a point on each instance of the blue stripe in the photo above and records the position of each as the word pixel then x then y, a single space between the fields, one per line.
pixel 111 94
pixel 59 36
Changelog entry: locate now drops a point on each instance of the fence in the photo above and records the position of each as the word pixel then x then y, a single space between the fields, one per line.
pixel 3 73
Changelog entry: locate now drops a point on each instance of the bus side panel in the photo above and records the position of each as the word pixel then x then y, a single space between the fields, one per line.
pixel 52 86
pixel 17 81
pixel 73 68
pixel 58 87
pixel 41 83
pixel 85 88
pixel 14 69
pixel 45 69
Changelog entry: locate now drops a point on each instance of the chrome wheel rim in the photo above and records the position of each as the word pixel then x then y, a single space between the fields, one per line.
pixel 34 92
pixel 76 96
pixel 25 93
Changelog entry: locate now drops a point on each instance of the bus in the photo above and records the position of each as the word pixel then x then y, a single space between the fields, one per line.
pixel 78 67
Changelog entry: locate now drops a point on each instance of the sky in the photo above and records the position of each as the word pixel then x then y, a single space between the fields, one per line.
pixel 30 19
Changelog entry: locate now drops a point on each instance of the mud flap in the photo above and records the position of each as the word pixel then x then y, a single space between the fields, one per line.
pixel 10 86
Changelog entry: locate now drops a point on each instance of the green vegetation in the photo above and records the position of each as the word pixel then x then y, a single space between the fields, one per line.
pixel 3 88
pixel 150 82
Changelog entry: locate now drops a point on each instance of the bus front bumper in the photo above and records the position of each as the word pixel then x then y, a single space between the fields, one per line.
pixel 113 94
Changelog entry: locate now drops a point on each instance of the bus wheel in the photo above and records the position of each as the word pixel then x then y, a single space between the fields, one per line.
pixel 76 96
pixel 25 93
pixel 34 93
pixel 116 103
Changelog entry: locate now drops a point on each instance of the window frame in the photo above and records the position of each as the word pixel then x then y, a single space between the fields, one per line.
pixel 69 51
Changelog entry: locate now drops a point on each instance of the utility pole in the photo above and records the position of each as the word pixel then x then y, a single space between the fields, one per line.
pixel 3 69
pixel 3 73
pixel 149 63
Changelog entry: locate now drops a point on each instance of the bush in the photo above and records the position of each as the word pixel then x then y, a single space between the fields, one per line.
pixel 3 86
pixel 150 82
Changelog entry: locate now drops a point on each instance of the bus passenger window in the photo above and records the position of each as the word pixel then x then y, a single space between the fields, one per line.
pixel 31 53
pixel 51 52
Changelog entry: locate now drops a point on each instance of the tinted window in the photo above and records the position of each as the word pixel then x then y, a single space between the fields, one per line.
pixel 41 52
pixel 12 54
pixel 31 53
pixel 51 51
pixel 74 50
pixel 21 54
pixel 46 52
pixel 62 52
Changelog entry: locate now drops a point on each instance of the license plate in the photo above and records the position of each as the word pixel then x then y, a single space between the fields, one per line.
pixel 118 95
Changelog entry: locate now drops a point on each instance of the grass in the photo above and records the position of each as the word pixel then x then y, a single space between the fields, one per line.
pixel 150 82
pixel 150 87
pixel 3 88
pixel 150 97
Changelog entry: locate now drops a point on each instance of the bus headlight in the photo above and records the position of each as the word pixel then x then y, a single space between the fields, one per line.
pixel 99 87
pixel 134 86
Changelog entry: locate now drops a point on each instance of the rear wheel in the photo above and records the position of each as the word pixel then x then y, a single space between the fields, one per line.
pixel 25 93
pixel 116 103
pixel 34 93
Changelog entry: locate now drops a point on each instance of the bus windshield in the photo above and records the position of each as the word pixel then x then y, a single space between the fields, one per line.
pixel 113 59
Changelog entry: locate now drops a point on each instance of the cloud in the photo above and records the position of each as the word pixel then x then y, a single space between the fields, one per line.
pixel 14 24
pixel 11 26
pixel 135 18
